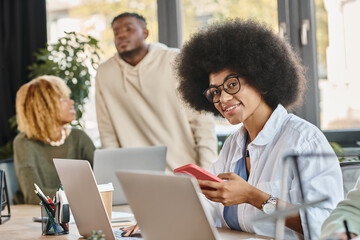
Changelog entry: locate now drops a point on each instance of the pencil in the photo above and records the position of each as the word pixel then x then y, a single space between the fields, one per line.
pixel 39 191
pixel 45 202
pixel 347 230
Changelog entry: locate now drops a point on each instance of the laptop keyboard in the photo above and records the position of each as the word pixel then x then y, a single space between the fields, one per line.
pixel 118 236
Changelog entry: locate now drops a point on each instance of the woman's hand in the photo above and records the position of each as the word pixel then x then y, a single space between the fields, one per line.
pixel 130 230
pixel 342 236
pixel 234 191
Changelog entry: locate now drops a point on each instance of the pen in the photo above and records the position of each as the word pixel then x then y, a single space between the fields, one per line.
pixel 65 227
pixel 347 230
pixel 45 202
pixel 42 198
pixel 52 203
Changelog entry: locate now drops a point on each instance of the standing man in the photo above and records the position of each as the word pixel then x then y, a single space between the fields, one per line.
pixel 137 103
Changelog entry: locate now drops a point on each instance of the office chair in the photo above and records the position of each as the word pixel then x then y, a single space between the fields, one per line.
pixel 350 173
pixel 4 198
pixel 11 180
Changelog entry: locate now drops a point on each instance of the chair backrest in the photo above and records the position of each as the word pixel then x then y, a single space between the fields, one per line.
pixel 350 173
pixel 11 180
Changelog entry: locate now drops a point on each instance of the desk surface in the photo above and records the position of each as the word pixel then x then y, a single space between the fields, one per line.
pixel 21 226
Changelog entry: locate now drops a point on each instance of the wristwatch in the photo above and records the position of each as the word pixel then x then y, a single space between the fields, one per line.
pixel 269 206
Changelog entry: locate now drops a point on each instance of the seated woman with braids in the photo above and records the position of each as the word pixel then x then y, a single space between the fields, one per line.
pixel 44 111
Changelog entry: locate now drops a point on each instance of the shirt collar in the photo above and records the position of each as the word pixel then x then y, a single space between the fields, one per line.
pixel 272 126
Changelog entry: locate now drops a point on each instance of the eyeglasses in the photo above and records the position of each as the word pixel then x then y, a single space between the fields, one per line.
pixel 231 85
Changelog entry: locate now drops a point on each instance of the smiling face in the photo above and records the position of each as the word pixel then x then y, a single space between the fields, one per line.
pixel 130 34
pixel 66 112
pixel 241 107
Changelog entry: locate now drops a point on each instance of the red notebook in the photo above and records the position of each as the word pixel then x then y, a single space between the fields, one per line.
pixel 197 172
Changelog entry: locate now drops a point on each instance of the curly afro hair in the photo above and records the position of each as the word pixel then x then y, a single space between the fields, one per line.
pixel 248 48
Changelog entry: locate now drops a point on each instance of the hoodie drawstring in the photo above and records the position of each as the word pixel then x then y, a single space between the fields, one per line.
pixel 123 70
pixel 139 77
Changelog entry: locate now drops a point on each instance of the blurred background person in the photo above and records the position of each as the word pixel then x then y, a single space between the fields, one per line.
pixel 137 103
pixel 44 111
pixel 349 210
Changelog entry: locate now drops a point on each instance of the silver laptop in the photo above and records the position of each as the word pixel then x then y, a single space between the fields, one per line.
pixel 107 161
pixel 84 198
pixel 167 207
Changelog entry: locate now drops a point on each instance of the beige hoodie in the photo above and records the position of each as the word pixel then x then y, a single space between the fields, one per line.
pixel 139 106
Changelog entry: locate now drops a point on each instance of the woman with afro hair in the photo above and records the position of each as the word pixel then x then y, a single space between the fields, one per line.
pixel 244 72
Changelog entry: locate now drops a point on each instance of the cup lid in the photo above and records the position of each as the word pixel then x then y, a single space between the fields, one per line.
pixel 105 187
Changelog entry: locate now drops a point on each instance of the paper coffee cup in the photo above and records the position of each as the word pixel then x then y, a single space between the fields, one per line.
pixel 106 191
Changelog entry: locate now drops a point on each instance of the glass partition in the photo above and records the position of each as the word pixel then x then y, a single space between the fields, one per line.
pixel 338 38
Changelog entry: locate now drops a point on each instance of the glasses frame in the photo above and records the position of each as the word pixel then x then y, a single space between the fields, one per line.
pixel 230 76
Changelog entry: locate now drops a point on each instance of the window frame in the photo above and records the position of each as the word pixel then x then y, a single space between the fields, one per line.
pixel 169 21
pixel 292 13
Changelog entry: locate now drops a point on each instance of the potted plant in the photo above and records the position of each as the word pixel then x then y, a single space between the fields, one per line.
pixel 71 58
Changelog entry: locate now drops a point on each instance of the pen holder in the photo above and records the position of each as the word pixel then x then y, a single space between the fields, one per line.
pixel 50 223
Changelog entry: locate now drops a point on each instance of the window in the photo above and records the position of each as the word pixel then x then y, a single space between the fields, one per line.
pixel 324 35
pixel 199 13
pixel 323 32
pixel 94 17
pixel 338 50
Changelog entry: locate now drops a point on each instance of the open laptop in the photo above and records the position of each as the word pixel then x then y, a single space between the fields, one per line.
pixel 84 198
pixel 107 161
pixel 167 207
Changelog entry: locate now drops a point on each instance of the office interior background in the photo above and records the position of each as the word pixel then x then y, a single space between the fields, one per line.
pixel 323 32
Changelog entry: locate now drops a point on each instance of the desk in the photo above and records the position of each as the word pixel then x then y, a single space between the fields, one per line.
pixel 21 226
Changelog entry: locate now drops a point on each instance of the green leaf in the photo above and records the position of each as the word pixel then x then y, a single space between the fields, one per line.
pixel 337 148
